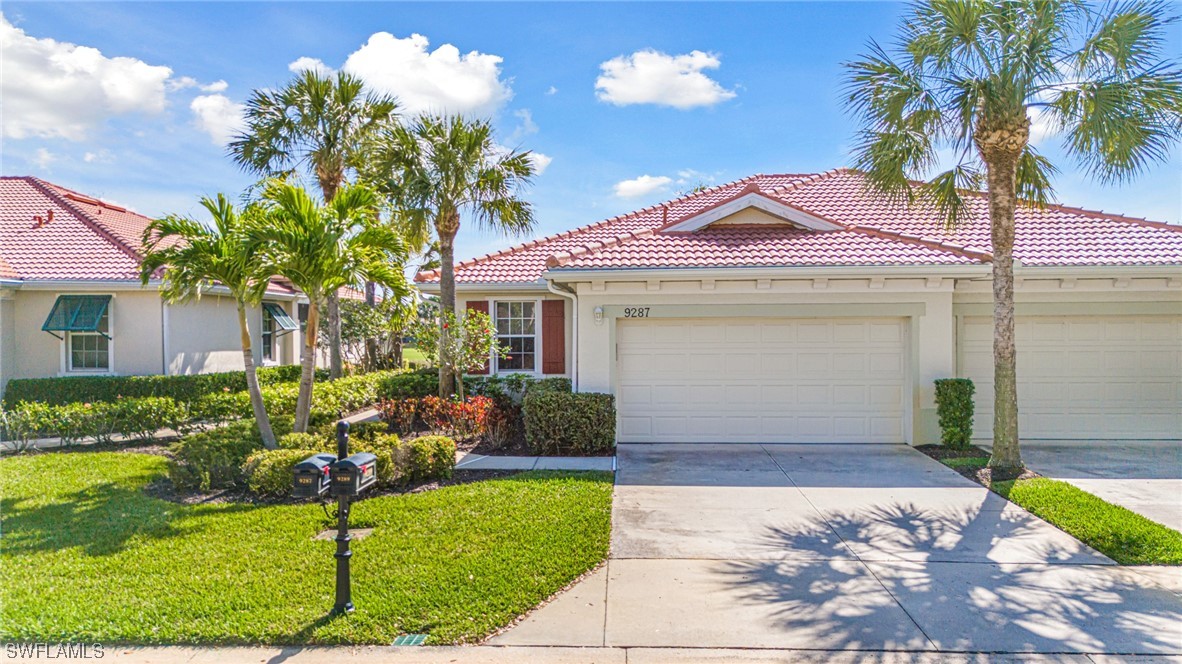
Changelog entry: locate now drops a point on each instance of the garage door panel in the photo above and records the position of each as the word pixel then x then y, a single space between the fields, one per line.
pixel 1117 377
pixel 773 380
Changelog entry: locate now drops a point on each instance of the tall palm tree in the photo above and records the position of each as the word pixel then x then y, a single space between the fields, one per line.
pixel 194 257
pixel 316 123
pixel 322 248
pixel 968 75
pixel 441 168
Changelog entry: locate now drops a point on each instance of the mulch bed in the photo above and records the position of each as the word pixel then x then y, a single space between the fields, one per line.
pixel 983 476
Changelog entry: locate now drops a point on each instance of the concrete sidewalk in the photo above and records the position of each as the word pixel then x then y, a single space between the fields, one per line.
pixel 483 462
pixel 551 655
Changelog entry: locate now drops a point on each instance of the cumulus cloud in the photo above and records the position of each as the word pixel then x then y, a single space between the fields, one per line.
pixel 305 63
pixel 541 162
pixel 183 82
pixel 53 89
pixel 44 158
pixel 652 77
pixel 552 91
pixel 642 186
pixel 218 116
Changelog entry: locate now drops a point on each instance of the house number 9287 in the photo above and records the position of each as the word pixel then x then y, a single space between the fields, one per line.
pixel 636 312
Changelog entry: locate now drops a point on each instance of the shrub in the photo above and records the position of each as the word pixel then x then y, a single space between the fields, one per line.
pixel 213 459
pixel 95 389
pixel 954 407
pixel 580 423
pixel 302 441
pixel 557 384
pixel 133 418
pixel 430 458
pixel 270 472
pixel 408 385
pixel 402 414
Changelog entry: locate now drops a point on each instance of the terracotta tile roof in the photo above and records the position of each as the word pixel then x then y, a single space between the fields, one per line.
pixel 875 233
pixel 45 235
pixel 6 271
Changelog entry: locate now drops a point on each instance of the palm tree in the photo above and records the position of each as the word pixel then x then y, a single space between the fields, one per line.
pixel 439 169
pixel 317 123
pixel 322 248
pixel 194 257
pixel 968 75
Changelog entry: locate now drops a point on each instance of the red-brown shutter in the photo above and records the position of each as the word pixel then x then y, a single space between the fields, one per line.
pixel 553 336
pixel 482 307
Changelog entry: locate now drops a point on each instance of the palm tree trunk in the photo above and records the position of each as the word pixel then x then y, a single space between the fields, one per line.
pixel 335 365
pixel 447 303
pixel 252 382
pixel 1002 201
pixel 371 343
pixel 307 367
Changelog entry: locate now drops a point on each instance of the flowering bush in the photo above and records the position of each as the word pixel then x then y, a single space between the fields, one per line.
pixel 402 414
pixel 461 419
pixel 470 417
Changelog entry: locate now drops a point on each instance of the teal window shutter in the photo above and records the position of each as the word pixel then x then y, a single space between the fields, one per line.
pixel 282 320
pixel 77 313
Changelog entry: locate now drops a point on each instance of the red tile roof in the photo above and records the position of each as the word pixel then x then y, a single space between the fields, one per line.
pixel 875 233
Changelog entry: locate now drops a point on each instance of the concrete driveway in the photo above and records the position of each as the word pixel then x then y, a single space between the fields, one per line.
pixel 1144 476
pixel 853 547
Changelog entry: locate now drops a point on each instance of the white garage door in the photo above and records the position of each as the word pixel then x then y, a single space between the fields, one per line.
pixel 755 380
pixel 1117 377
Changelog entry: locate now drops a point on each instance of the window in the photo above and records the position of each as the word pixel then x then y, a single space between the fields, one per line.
pixel 268 336
pixel 91 351
pixel 516 331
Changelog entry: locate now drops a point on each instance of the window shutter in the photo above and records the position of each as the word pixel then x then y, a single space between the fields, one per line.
pixel 553 336
pixel 482 307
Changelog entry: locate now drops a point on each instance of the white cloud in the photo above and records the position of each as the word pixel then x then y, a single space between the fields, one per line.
pixel 652 77
pixel 552 91
pixel 184 82
pixel 541 162
pixel 216 86
pixel 44 158
pixel 641 186
pixel 53 89
pixel 528 126
pixel 218 116
pixel 305 63
pixel 443 80
pixel 100 157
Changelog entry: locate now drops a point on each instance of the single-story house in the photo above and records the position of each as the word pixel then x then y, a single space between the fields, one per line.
pixel 799 308
pixel 71 300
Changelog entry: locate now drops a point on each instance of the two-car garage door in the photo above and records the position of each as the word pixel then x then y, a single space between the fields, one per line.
pixel 1088 377
pixel 762 380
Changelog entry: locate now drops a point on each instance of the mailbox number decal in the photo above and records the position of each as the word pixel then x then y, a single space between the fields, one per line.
pixel 636 312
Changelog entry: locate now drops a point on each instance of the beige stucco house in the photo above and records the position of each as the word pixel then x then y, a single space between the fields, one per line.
pixel 798 308
pixel 71 302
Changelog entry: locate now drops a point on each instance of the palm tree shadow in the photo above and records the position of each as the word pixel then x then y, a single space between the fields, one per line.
pixel 903 577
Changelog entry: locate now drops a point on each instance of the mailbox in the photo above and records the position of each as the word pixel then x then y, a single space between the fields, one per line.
pixel 313 476
pixel 354 474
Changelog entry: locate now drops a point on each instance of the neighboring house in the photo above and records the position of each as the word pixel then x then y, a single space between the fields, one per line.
pixel 798 308
pixel 71 301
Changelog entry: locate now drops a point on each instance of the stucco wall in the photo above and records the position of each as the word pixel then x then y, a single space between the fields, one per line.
pixel 204 337
pixel 7 337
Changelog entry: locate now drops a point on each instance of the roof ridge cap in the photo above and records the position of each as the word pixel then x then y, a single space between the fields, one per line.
pixel 48 190
pixel 562 257
pixel 931 243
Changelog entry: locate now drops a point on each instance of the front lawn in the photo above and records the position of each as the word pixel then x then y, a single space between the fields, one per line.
pixel 88 556
pixel 1123 535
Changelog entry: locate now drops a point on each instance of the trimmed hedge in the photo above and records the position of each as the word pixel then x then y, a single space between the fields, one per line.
pixel 565 423
pixel 91 389
pixel 213 459
pixel 270 472
pixel 954 407
pixel 137 418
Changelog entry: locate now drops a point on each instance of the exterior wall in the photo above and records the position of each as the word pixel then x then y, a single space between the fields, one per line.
pixel 926 304
pixel 201 337
pixel 465 296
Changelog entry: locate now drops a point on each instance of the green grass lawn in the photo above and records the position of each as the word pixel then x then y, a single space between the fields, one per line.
pixel 412 354
pixel 1121 534
pixel 86 555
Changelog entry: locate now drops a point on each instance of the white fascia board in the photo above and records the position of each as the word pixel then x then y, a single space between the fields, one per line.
pixel 1098 271
pixel 756 272
pixel 760 202
pixel 88 285
pixel 489 287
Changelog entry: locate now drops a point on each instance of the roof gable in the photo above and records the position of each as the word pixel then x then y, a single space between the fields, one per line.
pixel 752 198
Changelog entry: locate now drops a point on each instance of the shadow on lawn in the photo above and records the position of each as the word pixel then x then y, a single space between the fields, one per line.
pixel 99 519
pixel 917 558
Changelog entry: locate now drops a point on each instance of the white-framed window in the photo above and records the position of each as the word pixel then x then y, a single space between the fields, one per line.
pixel 517 330
pixel 90 351
pixel 268 336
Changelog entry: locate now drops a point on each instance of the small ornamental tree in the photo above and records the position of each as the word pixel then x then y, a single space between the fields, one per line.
pixel 469 343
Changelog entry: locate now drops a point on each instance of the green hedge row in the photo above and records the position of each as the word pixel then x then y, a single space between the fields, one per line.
pixel 102 421
pixel 954 407
pixel 564 423
pixel 91 389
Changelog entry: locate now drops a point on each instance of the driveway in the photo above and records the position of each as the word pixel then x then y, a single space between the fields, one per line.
pixel 850 547
pixel 1144 476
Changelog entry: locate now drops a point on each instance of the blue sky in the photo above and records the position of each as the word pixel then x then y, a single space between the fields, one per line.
pixel 608 93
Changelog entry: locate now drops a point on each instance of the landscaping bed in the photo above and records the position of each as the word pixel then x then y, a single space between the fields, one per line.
pixel 89 554
pixel 1119 533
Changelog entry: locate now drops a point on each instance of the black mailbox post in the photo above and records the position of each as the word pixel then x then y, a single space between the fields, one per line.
pixel 346 476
